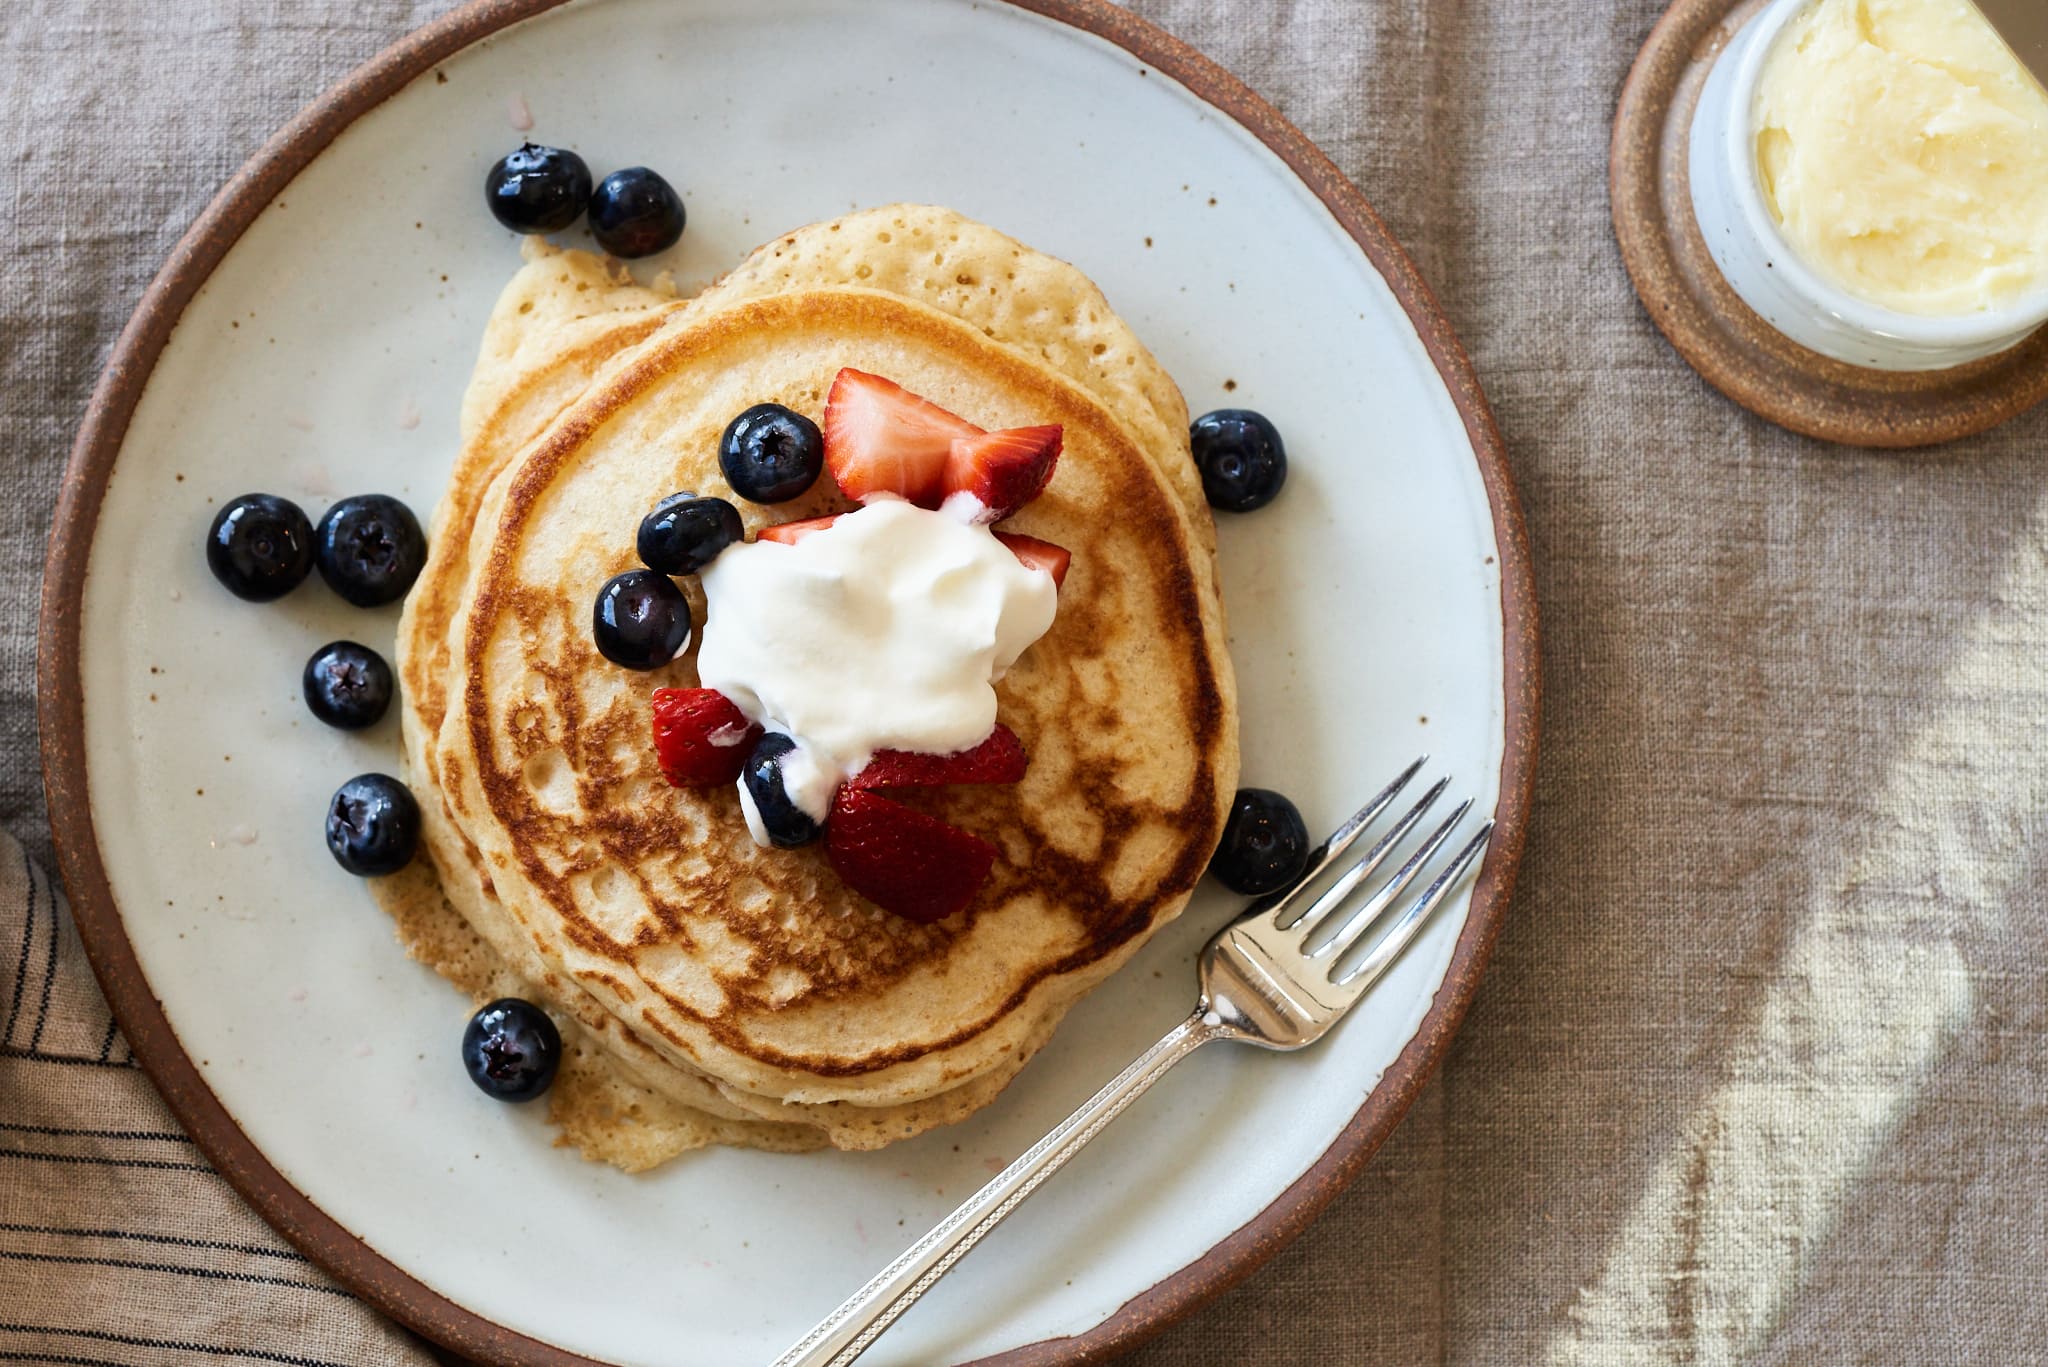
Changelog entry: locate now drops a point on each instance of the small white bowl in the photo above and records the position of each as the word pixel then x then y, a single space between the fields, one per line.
pixel 1766 271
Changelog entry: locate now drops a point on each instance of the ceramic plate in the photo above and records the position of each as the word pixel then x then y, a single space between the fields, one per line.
pixel 311 338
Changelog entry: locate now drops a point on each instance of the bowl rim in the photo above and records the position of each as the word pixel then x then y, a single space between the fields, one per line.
pixel 1958 332
pixel 60 700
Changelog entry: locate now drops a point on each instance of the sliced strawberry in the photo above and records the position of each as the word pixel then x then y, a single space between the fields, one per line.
pixel 902 860
pixel 882 439
pixel 789 533
pixel 999 471
pixel 702 739
pixel 1039 555
pixel 999 759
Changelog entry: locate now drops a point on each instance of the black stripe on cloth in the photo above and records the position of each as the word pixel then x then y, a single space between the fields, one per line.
pixel 35 894
pixel 168 1345
pixel 74 1060
pixel 210 1273
pixel 107 1044
pixel 62 1361
pixel 153 1164
pixel 28 939
pixel 174 1240
pixel 56 1132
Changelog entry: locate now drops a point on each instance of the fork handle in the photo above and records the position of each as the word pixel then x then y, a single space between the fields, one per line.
pixel 848 1331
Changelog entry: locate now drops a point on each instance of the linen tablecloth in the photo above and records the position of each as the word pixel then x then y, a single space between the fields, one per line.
pixel 1760 1070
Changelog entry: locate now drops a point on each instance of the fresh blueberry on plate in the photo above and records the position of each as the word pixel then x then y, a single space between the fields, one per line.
pixel 373 825
pixel 1264 846
pixel 770 454
pixel 685 533
pixel 635 212
pixel 1241 457
pixel 370 548
pixel 786 824
pixel 511 1050
pixel 537 189
pixel 641 620
pixel 347 685
pixel 260 547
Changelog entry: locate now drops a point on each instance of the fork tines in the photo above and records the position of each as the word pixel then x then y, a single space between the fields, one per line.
pixel 1329 937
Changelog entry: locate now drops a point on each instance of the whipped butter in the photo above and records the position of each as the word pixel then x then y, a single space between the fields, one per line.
pixel 1903 151
pixel 885 631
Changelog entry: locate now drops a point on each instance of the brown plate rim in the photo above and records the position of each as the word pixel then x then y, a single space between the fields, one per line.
pixel 60 701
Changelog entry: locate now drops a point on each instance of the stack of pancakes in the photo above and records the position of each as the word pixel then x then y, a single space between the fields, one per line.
pixel 713 991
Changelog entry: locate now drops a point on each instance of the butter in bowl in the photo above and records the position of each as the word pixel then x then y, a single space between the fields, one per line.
pixel 1871 177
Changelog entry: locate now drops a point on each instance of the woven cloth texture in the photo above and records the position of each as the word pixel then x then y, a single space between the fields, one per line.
pixel 1759 1072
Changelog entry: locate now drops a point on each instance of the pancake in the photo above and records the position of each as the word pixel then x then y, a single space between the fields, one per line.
pixel 559 322
pixel 716 981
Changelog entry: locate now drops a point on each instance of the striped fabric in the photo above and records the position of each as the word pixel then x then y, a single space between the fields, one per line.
pixel 119 1244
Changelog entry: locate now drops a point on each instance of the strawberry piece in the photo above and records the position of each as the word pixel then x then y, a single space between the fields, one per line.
pixel 1039 555
pixel 993 475
pixel 999 759
pixel 882 439
pixel 789 533
pixel 702 739
pixel 903 861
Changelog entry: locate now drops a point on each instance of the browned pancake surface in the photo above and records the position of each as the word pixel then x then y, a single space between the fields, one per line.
pixel 754 963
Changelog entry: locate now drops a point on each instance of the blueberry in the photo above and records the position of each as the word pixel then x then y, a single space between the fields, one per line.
pixel 260 547
pixel 373 825
pixel 370 549
pixel 1264 846
pixel 635 212
pixel 1241 457
pixel 787 824
pixel 770 454
pixel 347 685
pixel 537 189
pixel 511 1050
pixel 685 533
pixel 641 620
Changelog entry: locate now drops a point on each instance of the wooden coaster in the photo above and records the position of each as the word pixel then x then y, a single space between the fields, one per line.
pixel 1728 344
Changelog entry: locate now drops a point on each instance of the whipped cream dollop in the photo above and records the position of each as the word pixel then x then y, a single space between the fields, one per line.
pixel 885 631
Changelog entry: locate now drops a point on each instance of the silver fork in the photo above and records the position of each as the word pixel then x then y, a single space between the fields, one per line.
pixel 1274 977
